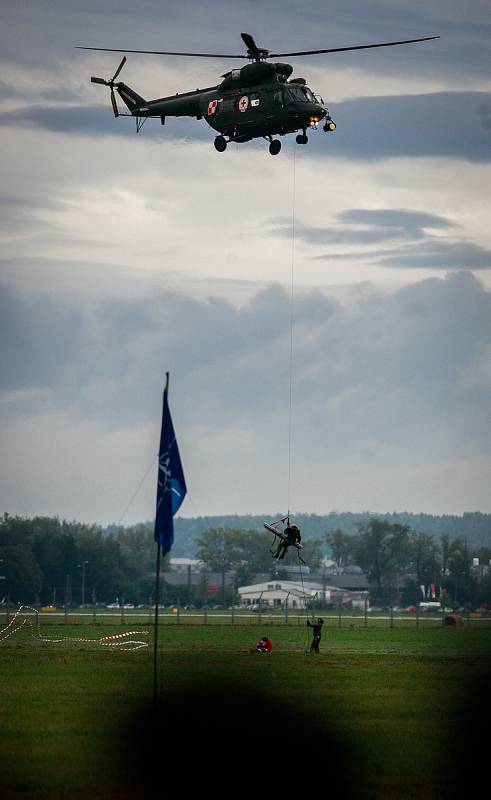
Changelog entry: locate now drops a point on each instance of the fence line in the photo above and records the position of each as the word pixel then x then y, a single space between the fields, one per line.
pixel 238 616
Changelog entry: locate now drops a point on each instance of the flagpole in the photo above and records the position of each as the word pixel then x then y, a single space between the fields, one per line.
pixel 157 597
pixel 156 626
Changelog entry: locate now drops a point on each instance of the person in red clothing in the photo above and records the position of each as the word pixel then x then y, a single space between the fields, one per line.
pixel 264 645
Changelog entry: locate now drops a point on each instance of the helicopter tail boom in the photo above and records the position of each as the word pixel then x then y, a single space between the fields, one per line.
pixel 130 98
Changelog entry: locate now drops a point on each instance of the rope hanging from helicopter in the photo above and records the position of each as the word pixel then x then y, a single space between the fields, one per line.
pixel 290 398
pixel 291 535
pixel 291 375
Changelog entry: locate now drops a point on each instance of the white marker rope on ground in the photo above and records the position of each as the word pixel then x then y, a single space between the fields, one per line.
pixel 121 641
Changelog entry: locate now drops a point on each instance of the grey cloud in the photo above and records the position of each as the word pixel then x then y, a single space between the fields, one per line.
pixel 418 248
pixel 96 121
pixel 438 255
pixel 34 95
pixel 431 254
pixel 400 377
pixel 365 226
pixel 107 359
pixel 443 124
pixel 277 26
pixel 409 221
pixel 39 338
pixel 16 215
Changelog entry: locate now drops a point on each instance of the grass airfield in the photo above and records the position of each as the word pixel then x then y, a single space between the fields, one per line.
pixel 379 713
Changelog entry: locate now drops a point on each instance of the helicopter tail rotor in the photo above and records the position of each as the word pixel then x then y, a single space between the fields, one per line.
pixel 110 83
pixel 114 104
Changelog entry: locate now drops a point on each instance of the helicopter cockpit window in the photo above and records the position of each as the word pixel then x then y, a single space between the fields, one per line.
pixel 298 94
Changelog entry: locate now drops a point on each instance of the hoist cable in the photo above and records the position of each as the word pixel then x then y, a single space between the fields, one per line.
pixel 290 404
pixel 130 502
pixel 303 591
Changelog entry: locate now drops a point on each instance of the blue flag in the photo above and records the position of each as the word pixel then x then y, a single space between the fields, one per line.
pixel 171 485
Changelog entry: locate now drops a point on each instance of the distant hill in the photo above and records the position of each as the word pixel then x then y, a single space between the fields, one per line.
pixel 473 526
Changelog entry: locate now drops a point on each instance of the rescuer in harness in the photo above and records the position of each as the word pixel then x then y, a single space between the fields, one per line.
pixel 291 538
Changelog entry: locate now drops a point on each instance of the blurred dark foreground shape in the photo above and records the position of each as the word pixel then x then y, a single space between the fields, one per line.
pixel 223 736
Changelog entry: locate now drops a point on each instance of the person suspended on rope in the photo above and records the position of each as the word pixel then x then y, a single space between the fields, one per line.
pixel 289 537
pixel 316 633
pixel 292 538
pixel 264 645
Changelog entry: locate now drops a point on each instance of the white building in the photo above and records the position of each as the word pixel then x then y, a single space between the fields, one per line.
pixel 276 593
pixel 185 564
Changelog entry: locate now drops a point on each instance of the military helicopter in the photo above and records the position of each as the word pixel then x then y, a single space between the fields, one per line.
pixel 260 100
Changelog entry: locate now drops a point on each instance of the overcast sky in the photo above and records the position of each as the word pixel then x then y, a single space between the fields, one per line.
pixel 125 256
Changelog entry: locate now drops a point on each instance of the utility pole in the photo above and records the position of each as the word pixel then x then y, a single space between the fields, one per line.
pixel 82 565
pixel 2 578
pixel 189 584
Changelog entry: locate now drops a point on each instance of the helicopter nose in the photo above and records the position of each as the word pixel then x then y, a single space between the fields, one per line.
pixel 316 113
pixel 319 113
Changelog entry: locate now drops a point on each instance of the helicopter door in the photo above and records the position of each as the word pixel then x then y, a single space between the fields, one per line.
pixel 226 105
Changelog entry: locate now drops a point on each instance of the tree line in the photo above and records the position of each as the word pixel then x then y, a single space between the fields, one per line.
pixel 52 561
pixel 46 560
pixel 474 526
pixel 412 566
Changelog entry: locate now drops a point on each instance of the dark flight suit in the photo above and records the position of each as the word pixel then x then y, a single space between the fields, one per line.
pixel 316 634
pixel 293 537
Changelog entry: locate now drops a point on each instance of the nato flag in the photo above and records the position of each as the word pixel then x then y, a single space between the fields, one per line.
pixel 171 486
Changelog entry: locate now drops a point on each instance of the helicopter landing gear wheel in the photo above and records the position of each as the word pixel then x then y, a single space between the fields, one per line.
pixel 302 138
pixel 275 147
pixel 220 144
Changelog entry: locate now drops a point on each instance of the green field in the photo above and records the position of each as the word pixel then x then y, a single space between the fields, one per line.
pixel 380 712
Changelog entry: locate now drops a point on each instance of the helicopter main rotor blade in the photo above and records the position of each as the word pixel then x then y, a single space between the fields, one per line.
pixel 249 41
pixel 98 80
pixel 163 52
pixel 253 50
pixel 357 47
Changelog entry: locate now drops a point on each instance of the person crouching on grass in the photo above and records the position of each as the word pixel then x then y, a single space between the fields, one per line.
pixel 264 645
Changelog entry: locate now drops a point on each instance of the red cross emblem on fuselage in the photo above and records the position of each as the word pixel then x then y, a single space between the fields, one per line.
pixel 243 103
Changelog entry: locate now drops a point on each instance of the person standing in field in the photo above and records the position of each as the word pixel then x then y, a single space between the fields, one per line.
pixel 316 633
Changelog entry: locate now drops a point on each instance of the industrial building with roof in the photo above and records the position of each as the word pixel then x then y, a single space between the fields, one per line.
pixel 277 593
